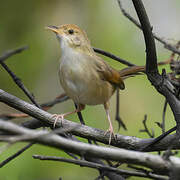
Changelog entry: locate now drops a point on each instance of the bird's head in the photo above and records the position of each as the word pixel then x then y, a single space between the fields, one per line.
pixel 71 36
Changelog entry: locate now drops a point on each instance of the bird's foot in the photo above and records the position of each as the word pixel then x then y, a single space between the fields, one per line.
pixel 111 133
pixel 58 117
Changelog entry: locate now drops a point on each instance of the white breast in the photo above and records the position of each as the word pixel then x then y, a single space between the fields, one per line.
pixel 80 81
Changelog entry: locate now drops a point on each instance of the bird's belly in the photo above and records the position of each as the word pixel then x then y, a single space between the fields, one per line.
pixel 87 89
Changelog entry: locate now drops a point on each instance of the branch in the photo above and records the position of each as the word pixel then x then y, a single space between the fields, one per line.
pixel 117 117
pixel 112 56
pixel 19 83
pixel 154 162
pixel 101 167
pixel 123 61
pixel 10 53
pixel 82 130
pixel 146 129
pixel 161 83
pixel 166 44
pixel 3 163
pixel 45 106
pixel 151 58
pixel 13 76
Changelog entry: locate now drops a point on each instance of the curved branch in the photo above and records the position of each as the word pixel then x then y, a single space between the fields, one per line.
pixel 166 44
pixel 161 83
pixel 151 58
pixel 44 117
pixel 155 162
pixel 17 80
pixel 100 166
pixel 10 53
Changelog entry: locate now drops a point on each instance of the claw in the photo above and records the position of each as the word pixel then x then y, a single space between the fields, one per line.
pixel 58 117
pixel 61 116
pixel 111 133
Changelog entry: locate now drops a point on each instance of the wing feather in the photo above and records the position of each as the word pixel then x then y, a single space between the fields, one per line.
pixel 108 73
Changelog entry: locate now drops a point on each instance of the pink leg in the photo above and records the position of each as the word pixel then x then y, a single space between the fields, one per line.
pixel 61 116
pixel 110 130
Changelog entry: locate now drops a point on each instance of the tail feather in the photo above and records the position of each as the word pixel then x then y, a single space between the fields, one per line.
pixel 132 71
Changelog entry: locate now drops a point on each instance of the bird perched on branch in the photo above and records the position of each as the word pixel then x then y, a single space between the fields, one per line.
pixel 85 77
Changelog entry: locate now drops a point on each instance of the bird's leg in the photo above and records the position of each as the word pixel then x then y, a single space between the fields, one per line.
pixel 110 130
pixel 80 107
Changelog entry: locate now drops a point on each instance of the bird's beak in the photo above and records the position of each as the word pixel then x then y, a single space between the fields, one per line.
pixel 53 28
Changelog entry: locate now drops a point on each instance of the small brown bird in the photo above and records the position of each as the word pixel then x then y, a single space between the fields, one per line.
pixel 85 77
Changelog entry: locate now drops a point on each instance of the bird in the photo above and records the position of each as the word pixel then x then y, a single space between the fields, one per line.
pixel 85 77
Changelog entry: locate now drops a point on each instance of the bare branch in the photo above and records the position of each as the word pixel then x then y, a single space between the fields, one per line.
pixel 13 76
pixel 45 106
pixel 166 44
pixel 125 62
pixel 85 131
pixel 10 53
pixel 112 56
pixel 150 134
pixel 151 58
pixel 118 118
pixel 157 139
pixel 154 162
pixel 161 83
pixel 163 116
pixel 3 163
pixel 101 167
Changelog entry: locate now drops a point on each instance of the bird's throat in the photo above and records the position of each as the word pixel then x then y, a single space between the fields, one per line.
pixel 68 46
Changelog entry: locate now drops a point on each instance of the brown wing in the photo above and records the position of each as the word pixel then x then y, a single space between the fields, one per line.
pixel 108 73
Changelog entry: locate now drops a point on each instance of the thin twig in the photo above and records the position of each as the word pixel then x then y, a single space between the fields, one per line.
pixel 13 76
pixel 158 139
pixel 146 129
pixel 100 166
pixel 165 43
pixel 19 83
pixel 163 116
pixel 10 158
pixel 10 53
pixel 112 56
pixel 125 62
pixel 45 106
pixel 118 118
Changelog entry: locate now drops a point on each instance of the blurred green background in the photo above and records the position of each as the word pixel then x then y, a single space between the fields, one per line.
pixel 22 23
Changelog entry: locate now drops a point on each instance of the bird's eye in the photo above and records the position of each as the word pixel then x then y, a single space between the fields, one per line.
pixel 70 31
